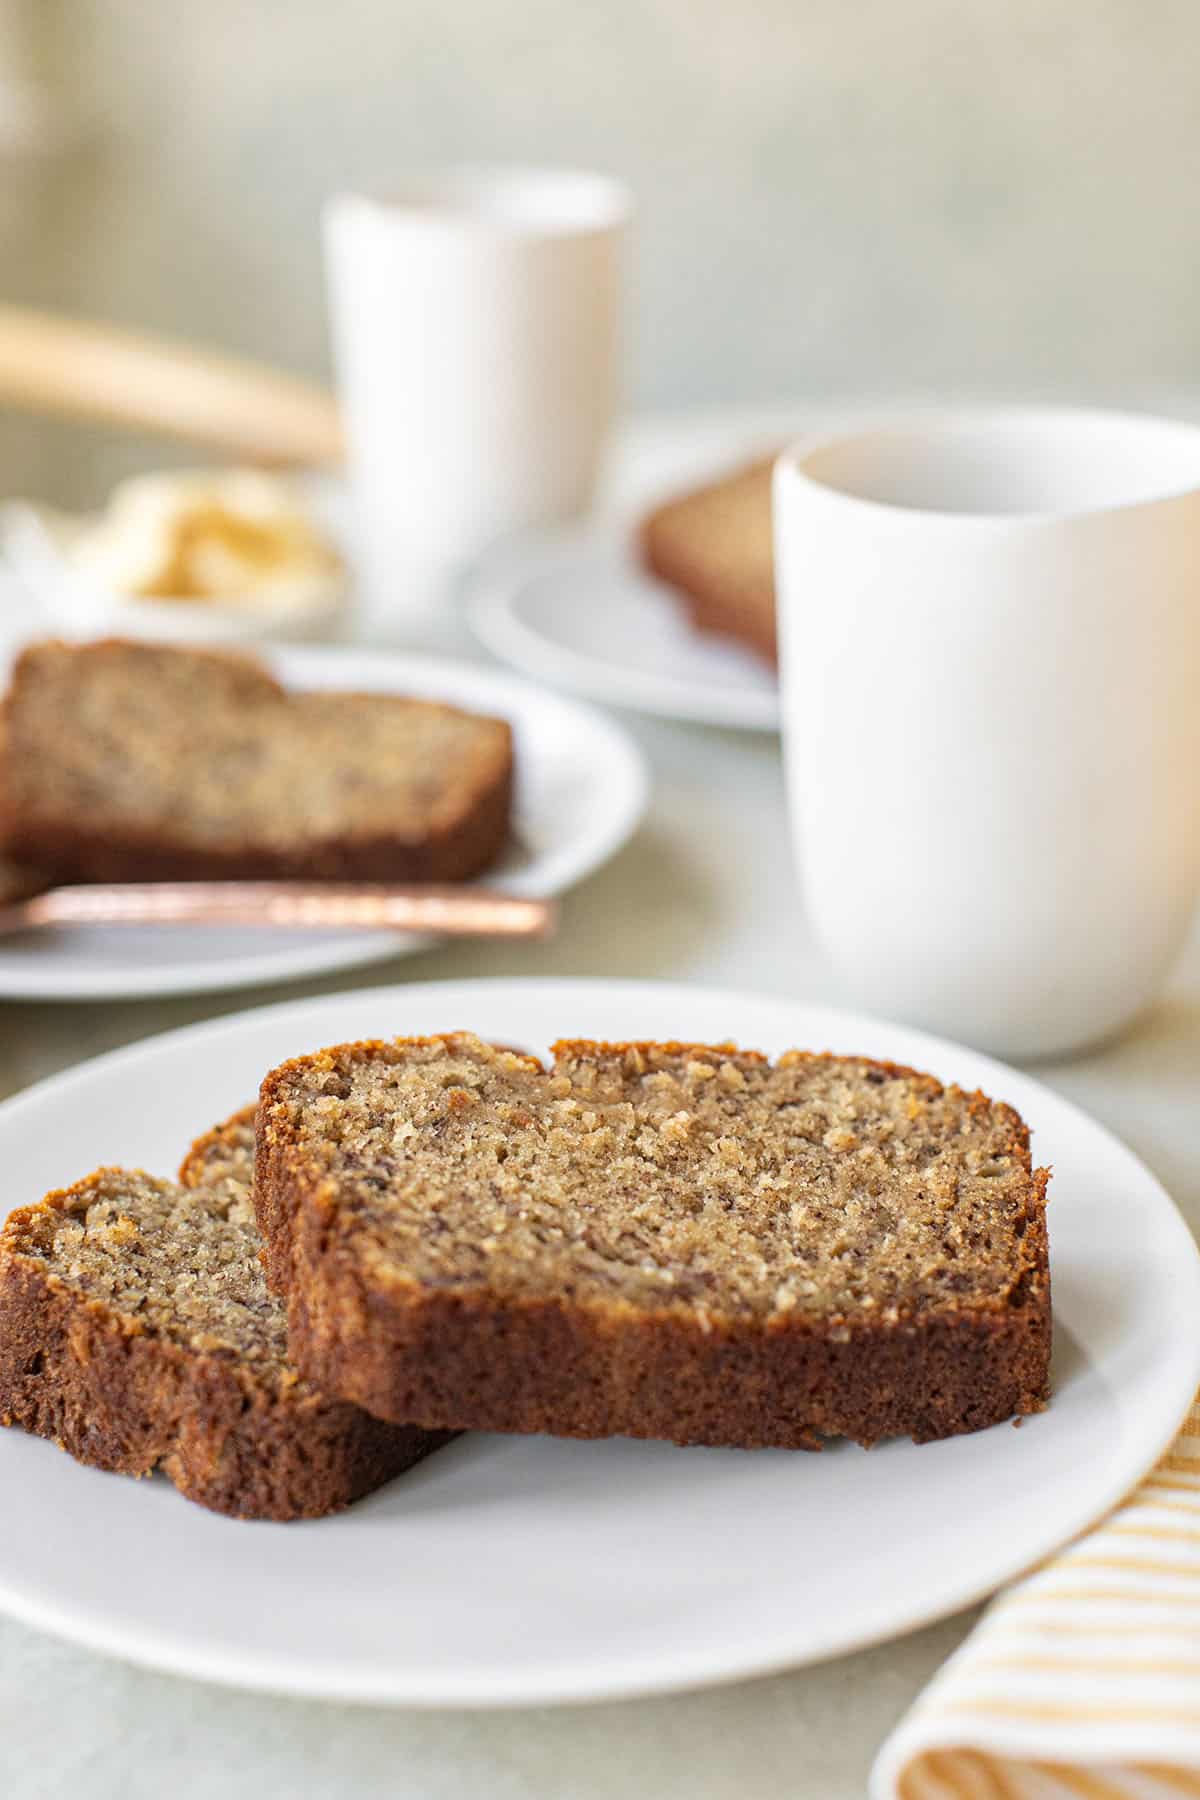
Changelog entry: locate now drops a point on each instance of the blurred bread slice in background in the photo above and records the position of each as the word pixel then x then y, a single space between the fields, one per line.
pixel 19 883
pixel 713 546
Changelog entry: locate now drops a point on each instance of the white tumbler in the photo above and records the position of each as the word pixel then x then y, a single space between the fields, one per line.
pixel 476 335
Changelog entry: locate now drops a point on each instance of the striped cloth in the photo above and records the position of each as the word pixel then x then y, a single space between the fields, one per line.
pixel 1082 1682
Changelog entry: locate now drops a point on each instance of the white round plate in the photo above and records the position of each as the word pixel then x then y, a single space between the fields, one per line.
pixel 508 1571
pixel 577 611
pixel 581 790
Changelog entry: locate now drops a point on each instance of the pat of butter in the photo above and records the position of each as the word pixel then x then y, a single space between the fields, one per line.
pixel 233 537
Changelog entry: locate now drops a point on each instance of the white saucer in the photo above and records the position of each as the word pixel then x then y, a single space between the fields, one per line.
pixel 581 791
pixel 522 1571
pixel 576 610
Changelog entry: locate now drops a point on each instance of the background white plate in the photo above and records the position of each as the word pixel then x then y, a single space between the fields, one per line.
pixel 576 610
pixel 581 790
pixel 508 1571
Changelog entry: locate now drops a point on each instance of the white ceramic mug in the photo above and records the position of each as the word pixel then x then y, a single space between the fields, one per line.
pixel 476 336
pixel 990 649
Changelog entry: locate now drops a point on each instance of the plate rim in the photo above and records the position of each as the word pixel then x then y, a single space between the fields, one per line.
pixel 492 609
pixel 626 792
pixel 264 1673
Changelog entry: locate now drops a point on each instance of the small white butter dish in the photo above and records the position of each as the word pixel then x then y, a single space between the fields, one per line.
pixel 187 557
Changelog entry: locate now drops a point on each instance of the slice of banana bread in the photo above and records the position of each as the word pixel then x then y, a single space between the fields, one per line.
pixel 658 1240
pixel 714 547
pixel 137 1331
pixel 124 761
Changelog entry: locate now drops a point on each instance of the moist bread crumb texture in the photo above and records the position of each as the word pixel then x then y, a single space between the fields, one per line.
pixel 125 761
pixel 137 1330
pixel 182 1261
pixel 774 1250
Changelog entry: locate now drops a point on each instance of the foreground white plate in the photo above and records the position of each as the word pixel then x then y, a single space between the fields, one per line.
pixel 577 611
pixel 581 790
pixel 507 1571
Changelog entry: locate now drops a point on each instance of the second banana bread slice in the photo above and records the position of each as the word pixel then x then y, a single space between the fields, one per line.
pixel 658 1240
pixel 713 546
pixel 137 762
pixel 137 1331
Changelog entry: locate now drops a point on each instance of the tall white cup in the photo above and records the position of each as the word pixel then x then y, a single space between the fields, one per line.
pixel 990 646
pixel 475 325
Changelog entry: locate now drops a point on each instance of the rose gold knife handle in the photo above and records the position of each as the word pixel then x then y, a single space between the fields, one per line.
pixel 339 906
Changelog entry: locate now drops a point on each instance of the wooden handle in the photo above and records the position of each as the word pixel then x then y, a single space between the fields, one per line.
pixel 92 371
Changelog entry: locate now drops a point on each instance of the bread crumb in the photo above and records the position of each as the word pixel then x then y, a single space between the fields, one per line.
pixel 840 1140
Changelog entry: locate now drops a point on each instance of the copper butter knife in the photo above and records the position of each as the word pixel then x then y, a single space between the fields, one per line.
pixel 296 905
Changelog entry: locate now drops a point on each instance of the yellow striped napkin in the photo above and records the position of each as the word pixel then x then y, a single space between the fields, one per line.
pixel 1082 1682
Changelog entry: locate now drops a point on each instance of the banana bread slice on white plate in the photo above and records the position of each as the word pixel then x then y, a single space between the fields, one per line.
pixel 666 1240
pixel 123 761
pixel 138 1332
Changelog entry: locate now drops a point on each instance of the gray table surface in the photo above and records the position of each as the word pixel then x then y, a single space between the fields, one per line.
pixel 705 893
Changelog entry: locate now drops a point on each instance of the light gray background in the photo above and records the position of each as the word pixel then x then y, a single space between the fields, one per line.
pixel 835 199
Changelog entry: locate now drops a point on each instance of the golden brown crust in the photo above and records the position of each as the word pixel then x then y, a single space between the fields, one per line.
pixel 126 1399
pixel 76 854
pixel 713 546
pixel 561 1368
pixel 587 1368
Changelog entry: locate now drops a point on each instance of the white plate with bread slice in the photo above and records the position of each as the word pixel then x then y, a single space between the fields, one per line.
pixel 665 604
pixel 580 788
pixel 529 1569
pixel 581 611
